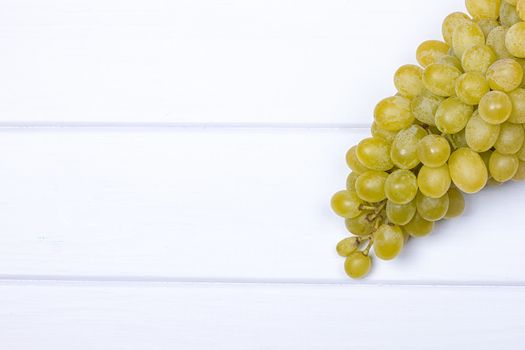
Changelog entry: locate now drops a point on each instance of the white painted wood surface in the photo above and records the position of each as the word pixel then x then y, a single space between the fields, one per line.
pixel 166 170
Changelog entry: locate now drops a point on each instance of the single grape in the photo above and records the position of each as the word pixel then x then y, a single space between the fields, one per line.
pixel 346 204
pixel 503 167
pixel 517 98
pixel 400 214
pixel 393 113
pixel 407 80
pixel 360 226
pixel 451 22
pixel 495 107
pixel 487 25
pixel 382 133
pixel 515 40
pixel 452 61
pixel 480 135
pixel 424 107
pixel 430 51
pixel 465 36
pixel 370 186
pixel 347 246
pixel 483 8
pixel 440 79
pixel 401 186
pixel 404 147
pixel 434 182
pixel 508 15
pixel 452 115
pixel 357 265
pixel 354 163
pixel 471 87
pixel 432 209
pixel 374 153
pixel 433 151
pixel 418 227
pixel 388 242
pixel 467 170
pixel 478 59
pixel 505 75
pixel 510 140
pixel 456 203
pixel 350 181
pixel 496 41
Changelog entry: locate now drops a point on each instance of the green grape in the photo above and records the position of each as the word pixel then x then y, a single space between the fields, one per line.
pixel 424 107
pixel 347 246
pixel 401 186
pixel 388 242
pixel 520 174
pixel 452 61
pixel 404 147
pixel 495 107
pixel 452 115
pixel 471 87
pixel 434 182
pixel 467 170
pixel 520 8
pixel 440 79
pixel 393 113
pixel 451 22
pixel 487 25
pixel 515 40
pixel 370 186
pixel 354 163
pixel 400 214
pixel 465 36
pixel 508 15
pixel 505 75
pixel 430 51
pixel 517 98
pixel 496 41
pixel 480 135
pixel 433 151
pixel 510 138
pixel 374 153
pixel 503 167
pixel 407 80
pixel 456 203
pixel 346 204
pixel 350 181
pixel 358 265
pixel 418 227
pixel 360 226
pixel 478 59
pixel 483 8
pixel 432 209
pixel 384 134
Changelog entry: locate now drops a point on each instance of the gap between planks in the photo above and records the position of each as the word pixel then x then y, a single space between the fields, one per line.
pixel 170 281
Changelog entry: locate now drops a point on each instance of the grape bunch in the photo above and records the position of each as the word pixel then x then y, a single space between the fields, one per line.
pixel 456 124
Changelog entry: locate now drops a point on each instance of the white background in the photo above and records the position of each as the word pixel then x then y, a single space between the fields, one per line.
pixel 166 168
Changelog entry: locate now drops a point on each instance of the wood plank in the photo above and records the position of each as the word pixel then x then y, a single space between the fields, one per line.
pixel 217 204
pixel 155 61
pixel 247 317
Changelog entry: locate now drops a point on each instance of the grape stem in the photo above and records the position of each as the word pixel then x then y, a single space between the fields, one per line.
pixel 369 246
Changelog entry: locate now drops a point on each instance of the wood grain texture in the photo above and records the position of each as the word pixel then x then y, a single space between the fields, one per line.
pixel 217 204
pixel 258 317
pixel 201 61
